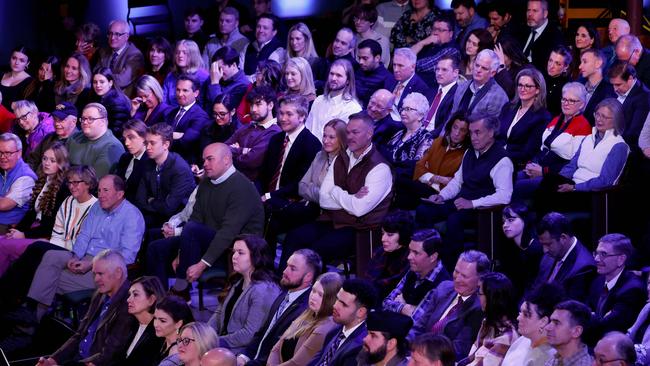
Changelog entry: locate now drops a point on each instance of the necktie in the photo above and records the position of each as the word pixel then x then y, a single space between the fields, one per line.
pixel 433 109
pixel 112 62
pixel 601 300
pixel 398 92
pixel 439 326
pixel 332 349
pixel 276 177
pixel 529 48
pixel 556 269
pixel 179 115
pixel 283 306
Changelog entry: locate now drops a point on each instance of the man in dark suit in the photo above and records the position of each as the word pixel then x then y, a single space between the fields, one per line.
pixel 288 156
pixel 379 107
pixel 123 58
pixel 447 71
pixel 105 331
pixel 566 262
pixel 371 74
pixel 543 35
pixel 616 295
pixel 630 50
pixel 303 267
pixel 454 309
pixel 188 119
pixel 342 345
pixel 407 81
pixel 592 62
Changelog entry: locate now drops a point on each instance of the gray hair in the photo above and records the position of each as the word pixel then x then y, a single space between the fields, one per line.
pixel 579 90
pixel 21 105
pixel 114 259
pixel 421 102
pixel 616 108
pixel 406 53
pixel 481 260
pixel 490 122
pixel 148 82
pixel 123 23
pixel 631 41
pixel 624 346
pixel 353 41
pixel 8 136
pixel 494 58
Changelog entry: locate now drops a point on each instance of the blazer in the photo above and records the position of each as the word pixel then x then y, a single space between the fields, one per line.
pixel 415 85
pixel 643 67
pixel 621 305
pixel 284 321
pixel 462 327
pixel 193 121
pixel 248 314
pixel 128 66
pixel 575 275
pixel 307 346
pixel 543 45
pixel 635 110
pixel 525 139
pixel 488 101
pixel 158 115
pixel 134 179
pixel 444 111
pixel 603 90
pixel 112 335
pixel 302 153
pixel 346 354
pixel 385 128
pixel 143 354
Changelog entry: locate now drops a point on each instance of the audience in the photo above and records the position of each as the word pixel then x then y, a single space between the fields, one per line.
pixel 568 323
pixel 365 18
pixel 407 81
pixel 556 76
pixel 586 38
pixel 615 346
pixel 218 357
pixel 343 48
pixel 65 124
pixel 269 73
pixel 592 64
pixel 107 94
pixel 433 48
pixel 227 36
pixel 193 26
pixel 187 61
pixel 41 88
pixel 430 349
pixel 131 163
pixel 617 27
pixel 414 24
pixel 16 184
pixel 513 61
pixel 446 74
pixel 299 79
pixel 87 36
pixel 638 332
pixel 148 105
pixel 629 50
pixel 14 82
pixel 386 342
pixel 371 74
pixel 467 20
pixel 225 124
pixel 477 41
pixel 171 314
pixel 543 35
pixel 379 109
pixel 300 43
pixel 226 76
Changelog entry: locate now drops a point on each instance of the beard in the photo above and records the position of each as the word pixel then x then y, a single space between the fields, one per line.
pixel 288 285
pixel 370 358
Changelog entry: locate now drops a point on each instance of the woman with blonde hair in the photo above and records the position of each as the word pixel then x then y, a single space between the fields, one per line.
pixel 187 60
pixel 149 105
pixel 74 83
pixel 299 78
pixel 306 335
pixel 194 340
pixel 300 43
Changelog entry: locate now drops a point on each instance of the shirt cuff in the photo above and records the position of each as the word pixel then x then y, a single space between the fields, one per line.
pixel 244 357
pixel 425 178
pixel 206 263
pixel 267 195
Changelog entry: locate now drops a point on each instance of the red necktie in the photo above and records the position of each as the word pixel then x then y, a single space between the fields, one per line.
pixel 434 107
pixel 276 176
pixel 439 326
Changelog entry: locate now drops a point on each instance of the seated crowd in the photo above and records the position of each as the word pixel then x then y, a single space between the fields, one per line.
pixel 135 172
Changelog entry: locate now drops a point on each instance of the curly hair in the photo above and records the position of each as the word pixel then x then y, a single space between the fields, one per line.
pixel 47 203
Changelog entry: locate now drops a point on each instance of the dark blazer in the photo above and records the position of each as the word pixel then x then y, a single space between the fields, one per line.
pixel 302 153
pixel 112 335
pixel 128 66
pixel 346 354
pixel 543 45
pixel 643 67
pixel 621 306
pixel 158 115
pixel 635 110
pixel 603 90
pixel 194 120
pixel 284 321
pixel 444 111
pixel 134 179
pixel 462 327
pixel 415 85
pixel 144 352
pixel 385 128
pixel 575 275
pixel 525 138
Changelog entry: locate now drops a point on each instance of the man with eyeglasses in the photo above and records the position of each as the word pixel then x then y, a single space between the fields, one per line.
pixel 123 58
pixel 95 145
pixel 592 63
pixel 630 50
pixel 65 124
pixel 615 348
pixel 617 295
pixel 16 182
pixel 434 48
pixel 379 108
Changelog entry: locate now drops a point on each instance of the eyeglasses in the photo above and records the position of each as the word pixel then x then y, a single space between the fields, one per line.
pixel 601 361
pixel 89 120
pixel 598 115
pixel 603 255
pixel 526 86
pixel 407 109
pixel 220 114
pixel 24 116
pixel 184 341
pixel 75 182
pixel 115 34
pixel 570 101
pixel 440 30
pixel 6 154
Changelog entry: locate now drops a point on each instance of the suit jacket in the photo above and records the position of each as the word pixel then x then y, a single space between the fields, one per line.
pixel 191 124
pixel 112 336
pixel 525 138
pixel 284 321
pixel 346 354
pixel 603 90
pixel 462 327
pixel 302 153
pixel 643 67
pixel 635 110
pixel 128 66
pixel 145 350
pixel 488 101
pixel 385 129
pixel 415 85
pixel 134 179
pixel 158 115
pixel 444 111
pixel 620 307
pixel 543 45
pixel 575 275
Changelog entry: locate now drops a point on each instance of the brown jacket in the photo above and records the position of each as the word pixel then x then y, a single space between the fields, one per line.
pixel 439 161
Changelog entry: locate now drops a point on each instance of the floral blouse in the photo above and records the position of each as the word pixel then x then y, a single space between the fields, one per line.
pixel 416 31
pixel 404 154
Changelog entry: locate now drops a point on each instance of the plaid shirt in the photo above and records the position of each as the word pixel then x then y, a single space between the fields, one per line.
pixel 580 358
pixel 390 304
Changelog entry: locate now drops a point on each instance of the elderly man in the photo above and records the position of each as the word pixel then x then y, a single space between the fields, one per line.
pixel 65 124
pixel 385 343
pixel 266 45
pixel 16 182
pixel 218 357
pixel 617 27
pixel 543 35
pixel 379 108
pixel 615 346
pixel 408 81
pixel 565 332
pixel 95 145
pixel 371 74
pixel 228 35
pixel 454 308
pixel 342 48
pixel 123 58
pixel 483 180
pixel 102 335
pixel 630 50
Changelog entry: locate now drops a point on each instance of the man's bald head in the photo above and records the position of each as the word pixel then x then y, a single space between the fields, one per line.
pixel 617 27
pixel 380 104
pixel 217 158
pixel 219 357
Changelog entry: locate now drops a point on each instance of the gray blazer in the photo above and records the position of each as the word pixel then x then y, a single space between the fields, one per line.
pixel 488 101
pixel 248 314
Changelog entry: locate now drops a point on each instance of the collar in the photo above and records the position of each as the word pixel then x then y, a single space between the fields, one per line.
pixel 293 295
pixel 629 91
pixel 119 52
pixel 592 88
pixel 475 88
pixel 445 89
pixel 268 124
pixel 260 46
pixel 347 333
pixel 224 176
pixel 539 30
pixel 187 107
pixel 433 273
pixel 294 134
pixel 116 209
pixel 611 283
pixel 139 156
pixel 353 159
pixel 407 81
pixel 573 245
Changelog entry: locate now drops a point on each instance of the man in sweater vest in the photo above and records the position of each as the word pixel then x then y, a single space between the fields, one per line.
pixel 355 195
pixel 227 204
pixel 16 182
pixel 483 180
pixel 266 45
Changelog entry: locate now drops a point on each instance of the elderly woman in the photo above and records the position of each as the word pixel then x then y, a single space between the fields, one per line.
pixel 560 141
pixel 415 24
pixel 532 348
pixel 74 83
pixel 523 120
pixel 556 76
pixel 187 60
pixel 32 124
pixel 14 82
pixel 108 94
pixel 148 105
